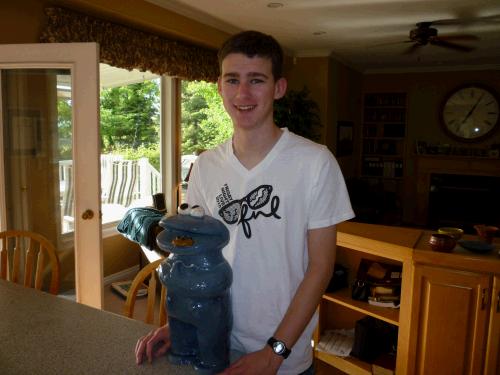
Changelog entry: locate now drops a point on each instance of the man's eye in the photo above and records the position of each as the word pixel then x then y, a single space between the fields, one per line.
pixel 256 81
pixel 232 81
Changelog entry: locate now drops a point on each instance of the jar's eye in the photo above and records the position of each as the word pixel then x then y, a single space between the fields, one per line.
pixel 183 209
pixel 197 211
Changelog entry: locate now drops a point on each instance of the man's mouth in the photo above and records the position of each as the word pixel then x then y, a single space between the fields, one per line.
pixel 245 107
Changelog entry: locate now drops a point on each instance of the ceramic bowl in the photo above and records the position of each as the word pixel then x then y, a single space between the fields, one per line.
pixel 486 232
pixel 456 233
pixel 442 242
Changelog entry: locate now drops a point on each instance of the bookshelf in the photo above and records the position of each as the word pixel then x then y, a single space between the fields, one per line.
pixel 383 135
pixel 383 148
pixel 338 310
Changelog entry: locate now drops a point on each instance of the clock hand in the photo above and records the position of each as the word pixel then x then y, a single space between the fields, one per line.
pixel 472 109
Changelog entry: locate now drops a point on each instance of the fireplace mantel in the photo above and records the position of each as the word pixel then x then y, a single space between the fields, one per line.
pixel 442 164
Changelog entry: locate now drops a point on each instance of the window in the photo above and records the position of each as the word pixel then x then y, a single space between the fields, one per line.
pixel 204 124
pixel 130 140
pixel 130 127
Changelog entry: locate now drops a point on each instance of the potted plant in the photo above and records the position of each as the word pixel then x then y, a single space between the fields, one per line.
pixel 298 113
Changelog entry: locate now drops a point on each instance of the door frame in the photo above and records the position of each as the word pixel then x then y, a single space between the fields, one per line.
pixel 82 59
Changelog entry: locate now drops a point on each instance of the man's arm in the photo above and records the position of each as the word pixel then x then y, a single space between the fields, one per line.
pixel 321 250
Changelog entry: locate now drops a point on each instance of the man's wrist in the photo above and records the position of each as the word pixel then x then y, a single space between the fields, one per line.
pixel 278 347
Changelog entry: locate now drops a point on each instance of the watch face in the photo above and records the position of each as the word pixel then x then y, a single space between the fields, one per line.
pixel 471 113
pixel 278 347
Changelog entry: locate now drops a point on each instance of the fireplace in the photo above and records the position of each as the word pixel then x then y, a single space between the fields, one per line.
pixel 455 191
pixel 463 200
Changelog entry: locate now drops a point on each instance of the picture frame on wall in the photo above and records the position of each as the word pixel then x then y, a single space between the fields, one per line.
pixel 24 130
pixel 344 138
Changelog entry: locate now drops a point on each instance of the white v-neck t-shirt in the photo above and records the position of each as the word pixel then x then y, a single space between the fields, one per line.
pixel 268 210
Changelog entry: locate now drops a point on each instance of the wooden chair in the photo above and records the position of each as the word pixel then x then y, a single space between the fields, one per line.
pixel 35 249
pixel 149 270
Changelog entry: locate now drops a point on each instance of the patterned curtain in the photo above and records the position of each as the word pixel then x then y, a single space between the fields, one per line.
pixel 127 48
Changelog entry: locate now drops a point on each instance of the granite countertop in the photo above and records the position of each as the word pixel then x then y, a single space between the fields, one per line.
pixel 45 334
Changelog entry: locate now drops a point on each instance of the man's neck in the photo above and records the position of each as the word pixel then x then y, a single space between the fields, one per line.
pixel 251 146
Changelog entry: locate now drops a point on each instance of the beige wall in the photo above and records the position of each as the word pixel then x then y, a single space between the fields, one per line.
pixel 336 89
pixel 426 93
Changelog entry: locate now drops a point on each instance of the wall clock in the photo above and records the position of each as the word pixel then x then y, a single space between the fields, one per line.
pixel 471 112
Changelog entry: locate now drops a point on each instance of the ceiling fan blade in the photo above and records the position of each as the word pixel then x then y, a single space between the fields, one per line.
pixel 412 49
pixel 444 43
pixel 458 37
pixel 468 20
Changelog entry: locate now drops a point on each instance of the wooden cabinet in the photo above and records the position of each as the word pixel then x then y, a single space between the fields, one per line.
pixel 449 317
pixel 492 365
pixel 453 309
pixel 338 310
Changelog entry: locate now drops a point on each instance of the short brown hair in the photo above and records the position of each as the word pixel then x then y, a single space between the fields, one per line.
pixel 254 43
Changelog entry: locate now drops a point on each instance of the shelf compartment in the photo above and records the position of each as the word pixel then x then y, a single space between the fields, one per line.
pixel 349 365
pixel 343 297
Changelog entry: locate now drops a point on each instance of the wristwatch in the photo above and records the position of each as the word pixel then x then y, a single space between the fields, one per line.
pixel 279 347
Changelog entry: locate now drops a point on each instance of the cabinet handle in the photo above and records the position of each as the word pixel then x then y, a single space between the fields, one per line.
pixel 498 302
pixel 484 299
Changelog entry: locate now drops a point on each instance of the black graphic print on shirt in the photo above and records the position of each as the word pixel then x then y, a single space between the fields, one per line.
pixel 258 203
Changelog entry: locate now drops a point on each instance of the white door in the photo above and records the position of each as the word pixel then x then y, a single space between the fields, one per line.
pixel 49 116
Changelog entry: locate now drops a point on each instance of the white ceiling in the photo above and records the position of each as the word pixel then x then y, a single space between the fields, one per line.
pixel 368 35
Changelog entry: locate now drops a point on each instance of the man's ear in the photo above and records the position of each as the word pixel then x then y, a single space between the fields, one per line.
pixel 280 88
pixel 219 86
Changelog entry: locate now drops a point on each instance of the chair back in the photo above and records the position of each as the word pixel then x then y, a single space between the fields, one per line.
pixel 145 272
pixel 35 252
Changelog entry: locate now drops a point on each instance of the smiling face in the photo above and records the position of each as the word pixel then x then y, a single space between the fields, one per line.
pixel 248 90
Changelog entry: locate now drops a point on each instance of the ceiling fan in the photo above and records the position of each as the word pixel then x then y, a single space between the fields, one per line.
pixel 425 34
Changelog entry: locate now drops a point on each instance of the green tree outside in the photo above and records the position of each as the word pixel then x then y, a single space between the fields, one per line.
pixel 130 120
pixel 205 123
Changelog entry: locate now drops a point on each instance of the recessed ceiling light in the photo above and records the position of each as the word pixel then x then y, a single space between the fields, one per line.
pixel 319 32
pixel 274 5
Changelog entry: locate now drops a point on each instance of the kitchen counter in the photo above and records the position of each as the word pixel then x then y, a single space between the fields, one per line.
pixel 45 334
pixel 402 243
pixel 459 257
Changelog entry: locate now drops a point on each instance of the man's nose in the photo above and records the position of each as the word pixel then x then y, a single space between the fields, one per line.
pixel 243 89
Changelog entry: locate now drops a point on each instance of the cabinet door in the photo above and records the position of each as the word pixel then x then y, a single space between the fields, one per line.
pixel 452 319
pixel 492 366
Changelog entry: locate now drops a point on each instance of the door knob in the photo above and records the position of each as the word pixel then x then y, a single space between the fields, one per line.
pixel 87 215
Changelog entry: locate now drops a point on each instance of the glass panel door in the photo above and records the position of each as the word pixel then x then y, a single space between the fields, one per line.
pixel 49 156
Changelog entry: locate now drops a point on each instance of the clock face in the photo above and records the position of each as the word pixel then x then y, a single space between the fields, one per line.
pixel 471 113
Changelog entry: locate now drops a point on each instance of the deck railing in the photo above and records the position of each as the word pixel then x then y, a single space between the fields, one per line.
pixel 123 183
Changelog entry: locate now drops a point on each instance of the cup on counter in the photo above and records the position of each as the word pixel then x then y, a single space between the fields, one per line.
pixel 442 242
pixel 486 232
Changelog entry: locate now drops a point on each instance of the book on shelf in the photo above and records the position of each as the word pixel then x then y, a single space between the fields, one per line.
pixel 338 342
pixel 376 301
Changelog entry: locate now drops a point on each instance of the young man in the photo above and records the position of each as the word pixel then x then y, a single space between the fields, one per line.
pixel 280 196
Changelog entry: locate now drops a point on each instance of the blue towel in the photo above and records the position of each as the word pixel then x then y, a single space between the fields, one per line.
pixel 139 224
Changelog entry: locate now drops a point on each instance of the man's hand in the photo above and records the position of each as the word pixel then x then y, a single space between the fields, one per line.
pixel 155 344
pixel 262 362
